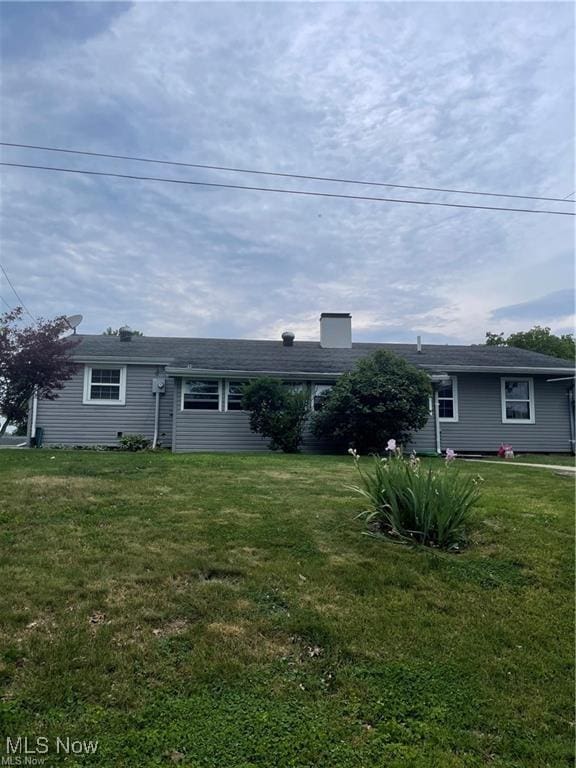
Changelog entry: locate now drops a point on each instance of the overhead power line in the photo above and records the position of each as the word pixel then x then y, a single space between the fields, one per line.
pixel 283 191
pixel 3 300
pixel 16 294
pixel 279 174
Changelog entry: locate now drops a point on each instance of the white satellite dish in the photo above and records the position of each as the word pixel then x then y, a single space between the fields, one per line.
pixel 74 321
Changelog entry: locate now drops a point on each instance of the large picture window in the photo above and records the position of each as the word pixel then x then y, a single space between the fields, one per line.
pixel 200 395
pixel 105 385
pixel 517 400
pixel 448 400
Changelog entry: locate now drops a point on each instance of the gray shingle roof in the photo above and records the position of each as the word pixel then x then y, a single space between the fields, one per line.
pixel 304 356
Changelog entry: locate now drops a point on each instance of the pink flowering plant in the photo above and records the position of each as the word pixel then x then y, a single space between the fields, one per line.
pixel 410 503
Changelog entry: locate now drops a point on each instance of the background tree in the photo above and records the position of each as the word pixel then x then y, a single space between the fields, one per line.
pixel 116 332
pixel 277 413
pixel 33 359
pixel 537 339
pixel 384 397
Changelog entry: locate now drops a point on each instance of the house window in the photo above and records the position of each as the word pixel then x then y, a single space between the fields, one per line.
pixel 105 385
pixel 296 386
pixel 517 400
pixel 317 391
pixel 447 394
pixel 200 395
pixel 234 394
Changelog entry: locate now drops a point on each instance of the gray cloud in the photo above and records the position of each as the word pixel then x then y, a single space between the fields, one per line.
pixel 553 306
pixel 374 91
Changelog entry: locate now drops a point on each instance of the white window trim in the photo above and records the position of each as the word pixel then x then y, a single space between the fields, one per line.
pixel 455 417
pixel 202 410
pixel 503 399
pixel 86 399
pixel 226 392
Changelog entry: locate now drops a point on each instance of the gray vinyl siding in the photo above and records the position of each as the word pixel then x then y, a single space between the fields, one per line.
pixel 480 426
pixel 224 431
pixel 67 421
pixel 212 430
pixel 424 441
pixel 215 431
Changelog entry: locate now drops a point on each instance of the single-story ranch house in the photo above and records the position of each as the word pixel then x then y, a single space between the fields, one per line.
pixel 184 393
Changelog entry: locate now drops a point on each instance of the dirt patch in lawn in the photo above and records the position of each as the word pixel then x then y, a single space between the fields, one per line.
pixel 227 629
pixel 171 628
pixel 246 638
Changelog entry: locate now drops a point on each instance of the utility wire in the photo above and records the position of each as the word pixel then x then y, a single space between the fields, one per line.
pixel 284 175
pixel 16 294
pixel 570 195
pixel 3 300
pixel 284 191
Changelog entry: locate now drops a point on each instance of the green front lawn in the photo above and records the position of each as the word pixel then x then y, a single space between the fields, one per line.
pixel 226 611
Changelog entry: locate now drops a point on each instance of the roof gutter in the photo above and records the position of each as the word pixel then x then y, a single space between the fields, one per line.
pixel 120 360
pixel 495 369
pixel 228 373
pixel 186 371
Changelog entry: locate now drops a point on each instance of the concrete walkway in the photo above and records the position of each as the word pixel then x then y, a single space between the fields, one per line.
pixel 557 467
pixel 13 441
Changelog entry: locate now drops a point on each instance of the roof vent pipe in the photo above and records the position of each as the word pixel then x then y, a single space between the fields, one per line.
pixel 125 333
pixel 419 344
pixel 288 339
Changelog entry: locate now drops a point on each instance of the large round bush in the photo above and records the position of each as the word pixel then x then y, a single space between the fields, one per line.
pixel 383 397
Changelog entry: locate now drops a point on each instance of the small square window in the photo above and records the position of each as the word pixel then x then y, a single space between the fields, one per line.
pixel 105 386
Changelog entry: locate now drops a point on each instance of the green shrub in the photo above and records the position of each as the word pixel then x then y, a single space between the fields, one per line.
pixel 277 413
pixel 411 504
pixel 134 443
pixel 383 396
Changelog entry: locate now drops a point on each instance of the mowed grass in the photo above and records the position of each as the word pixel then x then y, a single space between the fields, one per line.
pixel 227 611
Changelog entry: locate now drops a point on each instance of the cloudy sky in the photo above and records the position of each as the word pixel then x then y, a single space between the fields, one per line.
pixel 477 96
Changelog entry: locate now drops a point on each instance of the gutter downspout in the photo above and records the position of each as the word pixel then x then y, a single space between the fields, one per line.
pixel 175 395
pixel 158 388
pixel 571 419
pixel 34 416
pixel 437 422
pixel 156 419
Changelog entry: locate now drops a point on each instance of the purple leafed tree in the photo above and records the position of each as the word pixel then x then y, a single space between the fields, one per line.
pixel 33 360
